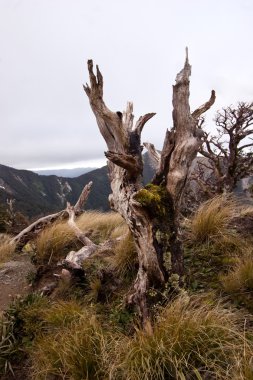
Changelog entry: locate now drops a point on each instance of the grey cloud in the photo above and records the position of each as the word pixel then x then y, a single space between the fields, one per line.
pixel 45 118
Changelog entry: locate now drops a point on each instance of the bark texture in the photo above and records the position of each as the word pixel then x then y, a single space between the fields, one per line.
pixel 151 211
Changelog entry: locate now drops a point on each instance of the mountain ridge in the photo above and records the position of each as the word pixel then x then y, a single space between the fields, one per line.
pixel 37 195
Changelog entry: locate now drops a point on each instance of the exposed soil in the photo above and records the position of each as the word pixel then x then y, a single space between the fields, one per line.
pixel 13 279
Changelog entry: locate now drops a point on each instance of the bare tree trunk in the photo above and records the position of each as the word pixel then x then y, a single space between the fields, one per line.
pixel 150 212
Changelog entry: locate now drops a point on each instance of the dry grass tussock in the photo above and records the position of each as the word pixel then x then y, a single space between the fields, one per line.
pixel 191 340
pixel 246 211
pixel 6 248
pixel 124 261
pixel 57 240
pixel 240 279
pixel 54 243
pixel 211 223
pixel 101 225
pixel 79 351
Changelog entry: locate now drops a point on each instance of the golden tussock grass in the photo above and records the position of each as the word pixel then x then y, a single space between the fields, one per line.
pixel 77 352
pixel 191 340
pixel 212 224
pixel 101 225
pixel 54 243
pixel 57 240
pixel 7 248
pixel 125 260
pixel 240 279
pixel 62 313
pixel 246 211
pixel 212 218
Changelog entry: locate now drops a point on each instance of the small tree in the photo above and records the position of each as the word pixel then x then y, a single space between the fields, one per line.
pixel 151 212
pixel 229 155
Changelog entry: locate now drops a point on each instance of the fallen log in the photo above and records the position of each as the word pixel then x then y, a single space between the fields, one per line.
pixel 33 229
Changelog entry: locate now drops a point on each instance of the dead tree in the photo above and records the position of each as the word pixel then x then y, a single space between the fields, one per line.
pixel 72 264
pixel 150 212
pixel 229 155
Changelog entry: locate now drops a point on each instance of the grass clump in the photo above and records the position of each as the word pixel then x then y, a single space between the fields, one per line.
pixel 62 313
pixel 240 279
pixel 238 283
pixel 210 223
pixel 75 353
pixel 124 262
pixel 212 245
pixel 7 248
pixel 29 320
pixel 101 225
pixel 191 340
pixel 8 346
pixel 54 243
pixel 27 316
pixel 18 327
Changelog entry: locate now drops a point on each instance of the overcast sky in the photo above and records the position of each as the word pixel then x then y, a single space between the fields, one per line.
pixel 139 45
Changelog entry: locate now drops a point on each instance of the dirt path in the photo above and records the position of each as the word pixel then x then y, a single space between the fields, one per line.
pixel 13 279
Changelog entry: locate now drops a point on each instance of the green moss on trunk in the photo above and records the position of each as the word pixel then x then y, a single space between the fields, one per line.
pixel 158 203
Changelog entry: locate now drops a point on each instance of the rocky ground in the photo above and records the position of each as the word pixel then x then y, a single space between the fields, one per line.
pixel 13 279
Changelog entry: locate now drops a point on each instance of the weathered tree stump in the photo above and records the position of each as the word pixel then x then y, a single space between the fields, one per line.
pixel 150 212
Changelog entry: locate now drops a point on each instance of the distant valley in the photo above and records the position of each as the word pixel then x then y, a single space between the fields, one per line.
pixel 37 194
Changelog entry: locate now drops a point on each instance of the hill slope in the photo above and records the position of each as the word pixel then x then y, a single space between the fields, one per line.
pixel 36 194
